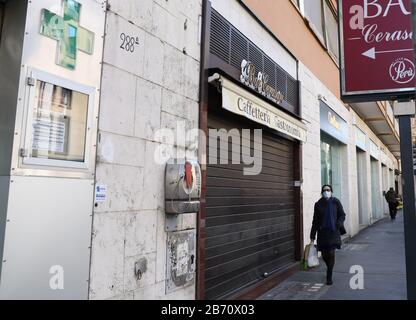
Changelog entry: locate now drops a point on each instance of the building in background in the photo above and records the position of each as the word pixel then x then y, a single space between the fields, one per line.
pixel 248 241
pixel 250 224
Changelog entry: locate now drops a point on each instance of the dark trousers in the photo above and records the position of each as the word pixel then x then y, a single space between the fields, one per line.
pixel 329 258
pixel 393 209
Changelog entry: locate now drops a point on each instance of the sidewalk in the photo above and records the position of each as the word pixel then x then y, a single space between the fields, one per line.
pixel 379 249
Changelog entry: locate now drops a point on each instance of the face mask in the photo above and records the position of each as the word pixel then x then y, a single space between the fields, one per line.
pixel 327 194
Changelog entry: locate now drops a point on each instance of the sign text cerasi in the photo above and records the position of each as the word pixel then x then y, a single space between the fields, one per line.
pixel 377 57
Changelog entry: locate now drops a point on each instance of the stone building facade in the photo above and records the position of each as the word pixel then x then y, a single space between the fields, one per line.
pixel 155 86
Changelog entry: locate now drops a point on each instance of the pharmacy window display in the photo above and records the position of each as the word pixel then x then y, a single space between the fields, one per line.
pixel 58 122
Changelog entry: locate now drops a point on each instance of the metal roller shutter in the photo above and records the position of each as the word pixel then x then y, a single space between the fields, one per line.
pixel 250 227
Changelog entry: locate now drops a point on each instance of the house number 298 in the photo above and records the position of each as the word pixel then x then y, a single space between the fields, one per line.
pixel 128 42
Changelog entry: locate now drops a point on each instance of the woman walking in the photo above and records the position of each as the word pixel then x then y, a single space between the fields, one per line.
pixel 328 222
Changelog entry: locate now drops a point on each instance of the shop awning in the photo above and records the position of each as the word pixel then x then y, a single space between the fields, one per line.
pixel 238 100
pixel 380 118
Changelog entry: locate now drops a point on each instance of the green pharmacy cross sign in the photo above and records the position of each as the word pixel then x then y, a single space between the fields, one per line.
pixel 66 30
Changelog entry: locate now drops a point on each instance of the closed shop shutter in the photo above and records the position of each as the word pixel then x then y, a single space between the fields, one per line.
pixel 250 228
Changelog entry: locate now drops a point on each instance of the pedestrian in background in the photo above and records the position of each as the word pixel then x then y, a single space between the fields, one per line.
pixel 391 198
pixel 328 222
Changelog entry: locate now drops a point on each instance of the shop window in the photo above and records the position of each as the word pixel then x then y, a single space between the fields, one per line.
pixel 331 163
pixel 58 122
pixel 326 163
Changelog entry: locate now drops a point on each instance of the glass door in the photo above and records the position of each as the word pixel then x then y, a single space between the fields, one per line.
pixel 331 163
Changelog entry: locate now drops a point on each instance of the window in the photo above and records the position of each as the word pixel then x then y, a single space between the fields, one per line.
pixel 323 21
pixel 331 27
pixel 58 121
pixel 295 2
pixel 314 14
pixel 331 163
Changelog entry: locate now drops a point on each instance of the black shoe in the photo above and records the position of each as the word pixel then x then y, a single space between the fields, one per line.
pixel 329 278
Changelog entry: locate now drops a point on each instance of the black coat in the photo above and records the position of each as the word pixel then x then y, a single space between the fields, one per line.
pixel 328 239
pixel 391 197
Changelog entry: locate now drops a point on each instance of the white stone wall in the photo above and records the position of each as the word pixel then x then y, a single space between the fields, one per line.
pixel 312 89
pixel 153 86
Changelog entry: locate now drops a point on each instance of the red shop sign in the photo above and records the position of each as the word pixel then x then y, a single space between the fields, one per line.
pixel 377 56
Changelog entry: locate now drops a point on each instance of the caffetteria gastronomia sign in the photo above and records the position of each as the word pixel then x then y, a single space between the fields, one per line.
pixel 377 56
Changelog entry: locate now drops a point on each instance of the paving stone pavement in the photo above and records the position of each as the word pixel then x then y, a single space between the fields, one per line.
pixel 378 249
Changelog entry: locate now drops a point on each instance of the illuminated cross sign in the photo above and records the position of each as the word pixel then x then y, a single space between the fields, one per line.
pixel 66 30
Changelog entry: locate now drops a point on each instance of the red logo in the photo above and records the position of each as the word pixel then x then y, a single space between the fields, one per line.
pixel 189 177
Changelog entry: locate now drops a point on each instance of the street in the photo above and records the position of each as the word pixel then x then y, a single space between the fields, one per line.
pixel 379 249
